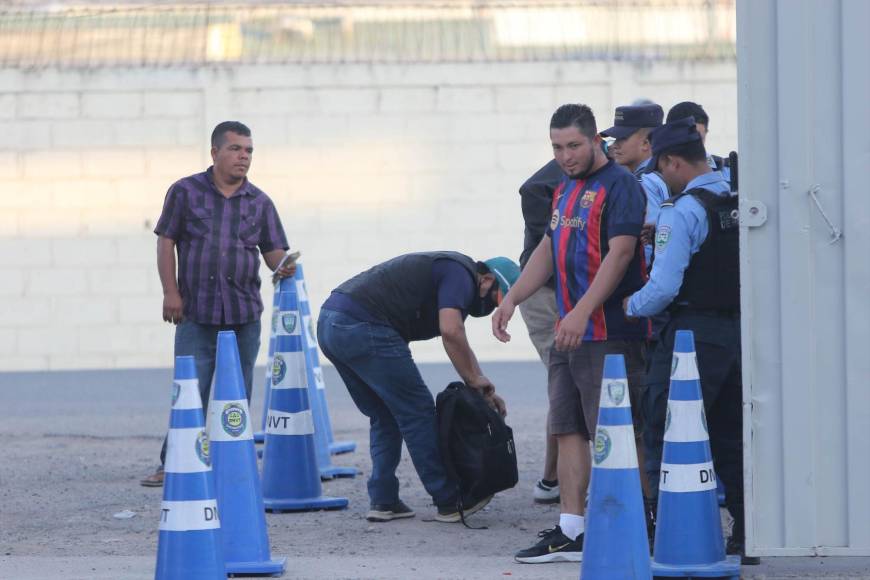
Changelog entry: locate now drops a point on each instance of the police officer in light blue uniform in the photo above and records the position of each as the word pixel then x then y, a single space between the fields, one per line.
pixel 695 279
pixel 657 193
pixel 631 149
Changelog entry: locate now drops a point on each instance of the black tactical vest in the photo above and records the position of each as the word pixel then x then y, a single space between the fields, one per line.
pixel 402 293
pixel 712 280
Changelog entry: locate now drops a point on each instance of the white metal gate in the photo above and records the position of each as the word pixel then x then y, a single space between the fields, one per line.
pixel 804 138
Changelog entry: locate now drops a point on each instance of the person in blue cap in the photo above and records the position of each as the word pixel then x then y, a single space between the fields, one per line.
pixel 695 278
pixel 364 329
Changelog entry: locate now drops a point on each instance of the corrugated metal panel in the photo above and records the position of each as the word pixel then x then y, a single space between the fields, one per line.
pixel 804 89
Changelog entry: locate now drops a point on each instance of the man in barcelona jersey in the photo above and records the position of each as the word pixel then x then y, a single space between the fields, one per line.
pixel 592 247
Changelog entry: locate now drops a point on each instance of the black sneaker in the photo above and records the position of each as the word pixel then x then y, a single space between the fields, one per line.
pixel 553 547
pixel 380 512
pixel 736 547
pixel 450 514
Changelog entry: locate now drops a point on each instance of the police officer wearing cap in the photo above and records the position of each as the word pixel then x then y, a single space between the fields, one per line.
pixel 631 127
pixel 631 148
pixel 695 277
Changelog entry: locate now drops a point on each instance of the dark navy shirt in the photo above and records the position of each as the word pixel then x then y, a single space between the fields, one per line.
pixel 454 285
pixel 219 241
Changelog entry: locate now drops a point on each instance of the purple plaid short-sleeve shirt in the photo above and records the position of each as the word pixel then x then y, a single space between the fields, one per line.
pixel 219 241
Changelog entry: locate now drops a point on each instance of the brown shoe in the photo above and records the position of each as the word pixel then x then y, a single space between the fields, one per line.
pixel 153 480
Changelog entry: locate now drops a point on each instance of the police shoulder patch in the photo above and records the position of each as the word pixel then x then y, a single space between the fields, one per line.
pixel 663 235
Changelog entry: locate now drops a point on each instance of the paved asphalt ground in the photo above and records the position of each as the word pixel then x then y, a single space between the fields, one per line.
pixel 74 445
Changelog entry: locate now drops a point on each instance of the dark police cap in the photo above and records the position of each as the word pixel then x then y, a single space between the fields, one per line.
pixel 670 135
pixel 629 119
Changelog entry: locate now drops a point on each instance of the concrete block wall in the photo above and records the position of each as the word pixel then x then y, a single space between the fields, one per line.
pixel 364 162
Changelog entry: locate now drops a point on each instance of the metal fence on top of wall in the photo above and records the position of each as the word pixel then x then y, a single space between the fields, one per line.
pixel 37 35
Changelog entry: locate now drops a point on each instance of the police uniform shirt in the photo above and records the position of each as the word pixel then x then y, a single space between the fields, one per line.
pixel 725 170
pixel 655 189
pixel 680 231
pixel 656 192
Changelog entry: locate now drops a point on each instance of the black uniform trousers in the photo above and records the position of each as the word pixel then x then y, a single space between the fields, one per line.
pixel 717 344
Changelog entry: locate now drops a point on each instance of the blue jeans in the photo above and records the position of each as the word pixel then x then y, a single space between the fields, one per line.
pixel 376 366
pixel 200 341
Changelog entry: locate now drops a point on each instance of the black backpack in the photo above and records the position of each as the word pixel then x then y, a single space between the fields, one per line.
pixel 477 447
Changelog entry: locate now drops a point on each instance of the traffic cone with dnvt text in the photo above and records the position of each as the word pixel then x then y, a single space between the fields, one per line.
pixel 688 538
pixel 189 545
pixel 291 479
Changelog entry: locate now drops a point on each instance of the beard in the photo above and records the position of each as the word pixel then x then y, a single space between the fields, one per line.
pixel 583 174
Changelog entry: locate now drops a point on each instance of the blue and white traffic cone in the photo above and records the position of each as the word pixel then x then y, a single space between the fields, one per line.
pixel 239 496
pixel 189 545
pixel 688 528
pixel 317 386
pixel 260 436
pixel 314 376
pixel 291 479
pixel 615 544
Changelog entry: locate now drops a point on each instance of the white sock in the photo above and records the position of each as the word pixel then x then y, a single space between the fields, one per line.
pixel 572 525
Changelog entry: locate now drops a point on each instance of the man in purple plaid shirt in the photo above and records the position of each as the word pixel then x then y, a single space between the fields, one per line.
pixel 219 223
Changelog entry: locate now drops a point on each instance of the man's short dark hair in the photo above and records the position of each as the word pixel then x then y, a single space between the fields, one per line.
pixel 693 152
pixel 217 136
pixel 689 109
pixel 579 116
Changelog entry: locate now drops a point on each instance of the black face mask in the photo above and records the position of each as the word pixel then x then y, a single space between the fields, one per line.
pixel 484 306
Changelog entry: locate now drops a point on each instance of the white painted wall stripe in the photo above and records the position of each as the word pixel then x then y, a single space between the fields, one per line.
pixel 186 516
